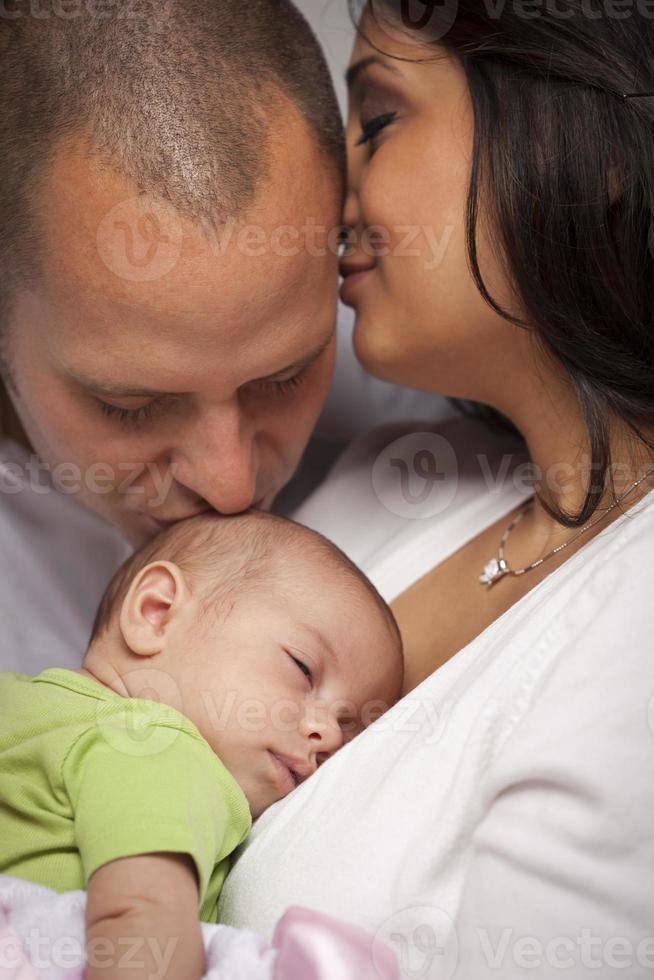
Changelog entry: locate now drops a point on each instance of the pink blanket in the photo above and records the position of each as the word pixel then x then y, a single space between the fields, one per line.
pixel 42 938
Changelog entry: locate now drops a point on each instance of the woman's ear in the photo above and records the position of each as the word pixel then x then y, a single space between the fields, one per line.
pixel 154 600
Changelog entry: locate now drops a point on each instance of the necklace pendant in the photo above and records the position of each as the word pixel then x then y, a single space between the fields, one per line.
pixel 496 569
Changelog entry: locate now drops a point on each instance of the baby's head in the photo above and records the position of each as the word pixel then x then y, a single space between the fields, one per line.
pixel 259 631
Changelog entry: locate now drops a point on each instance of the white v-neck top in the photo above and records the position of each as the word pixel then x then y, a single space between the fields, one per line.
pixel 499 820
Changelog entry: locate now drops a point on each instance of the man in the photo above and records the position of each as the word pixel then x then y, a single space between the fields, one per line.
pixel 172 182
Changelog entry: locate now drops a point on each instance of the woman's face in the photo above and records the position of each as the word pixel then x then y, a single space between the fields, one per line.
pixel 420 319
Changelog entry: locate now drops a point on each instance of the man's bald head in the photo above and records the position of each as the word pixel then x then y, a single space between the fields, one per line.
pixel 178 95
pixel 171 174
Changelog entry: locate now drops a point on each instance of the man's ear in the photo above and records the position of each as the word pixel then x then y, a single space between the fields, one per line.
pixel 154 600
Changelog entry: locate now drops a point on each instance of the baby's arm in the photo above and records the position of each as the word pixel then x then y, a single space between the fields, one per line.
pixel 142 920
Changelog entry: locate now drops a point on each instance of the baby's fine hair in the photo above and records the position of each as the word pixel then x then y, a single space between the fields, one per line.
pixel 226 557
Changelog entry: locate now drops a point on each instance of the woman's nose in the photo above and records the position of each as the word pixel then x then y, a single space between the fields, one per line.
pixel 351 215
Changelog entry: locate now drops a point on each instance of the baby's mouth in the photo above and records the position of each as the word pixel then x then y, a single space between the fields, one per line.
pixel 285 778
pixel 296 770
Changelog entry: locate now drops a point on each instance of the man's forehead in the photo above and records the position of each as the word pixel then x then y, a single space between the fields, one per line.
pixel 104 237
pixel 100 346
pixel 176 291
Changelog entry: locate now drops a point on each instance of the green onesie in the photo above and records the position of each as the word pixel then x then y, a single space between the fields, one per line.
pixel 87 777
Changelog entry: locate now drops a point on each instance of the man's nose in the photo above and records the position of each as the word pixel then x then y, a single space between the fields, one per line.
pixel 218 460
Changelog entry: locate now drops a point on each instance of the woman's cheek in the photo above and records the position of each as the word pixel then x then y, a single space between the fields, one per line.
pixel 381 213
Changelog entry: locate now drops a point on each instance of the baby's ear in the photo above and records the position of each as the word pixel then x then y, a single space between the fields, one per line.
pixel 154 599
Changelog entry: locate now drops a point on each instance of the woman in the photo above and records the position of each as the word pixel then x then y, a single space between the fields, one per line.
pixel 497 820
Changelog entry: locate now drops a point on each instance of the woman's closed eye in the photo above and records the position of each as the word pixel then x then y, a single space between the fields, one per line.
pixel 371 128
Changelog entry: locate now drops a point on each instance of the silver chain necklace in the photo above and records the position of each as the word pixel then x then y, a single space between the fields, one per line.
pixel 498 568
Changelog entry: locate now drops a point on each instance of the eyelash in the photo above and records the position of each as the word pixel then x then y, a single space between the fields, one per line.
pixel 374 126
pixel 287 386
pixel 303 667
pixel 139 416
pixel 129 416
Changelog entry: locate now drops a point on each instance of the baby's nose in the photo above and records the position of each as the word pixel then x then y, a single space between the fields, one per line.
pixel 324 732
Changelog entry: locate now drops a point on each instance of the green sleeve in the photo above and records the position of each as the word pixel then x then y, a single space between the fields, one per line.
pixel 140 786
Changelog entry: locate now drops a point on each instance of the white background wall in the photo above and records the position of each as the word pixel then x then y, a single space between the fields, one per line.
pixel 331 22
pixel 357 401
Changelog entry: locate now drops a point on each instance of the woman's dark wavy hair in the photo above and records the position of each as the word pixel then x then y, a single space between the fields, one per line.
pixel 567 168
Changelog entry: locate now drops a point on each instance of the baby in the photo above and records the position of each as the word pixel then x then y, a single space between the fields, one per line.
pixel 230 657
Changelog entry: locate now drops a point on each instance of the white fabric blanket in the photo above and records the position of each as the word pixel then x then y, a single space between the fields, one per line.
pixel 42 938
pixel 50 929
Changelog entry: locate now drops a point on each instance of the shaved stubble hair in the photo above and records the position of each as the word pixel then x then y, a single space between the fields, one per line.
pixel 178 95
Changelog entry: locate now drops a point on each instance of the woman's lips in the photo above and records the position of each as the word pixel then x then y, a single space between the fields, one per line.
pixel 352 275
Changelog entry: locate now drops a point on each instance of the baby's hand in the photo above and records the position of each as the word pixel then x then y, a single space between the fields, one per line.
pixel 142 920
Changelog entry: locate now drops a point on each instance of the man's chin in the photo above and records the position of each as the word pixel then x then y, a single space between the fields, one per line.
pixel 137 529
pixel 136 535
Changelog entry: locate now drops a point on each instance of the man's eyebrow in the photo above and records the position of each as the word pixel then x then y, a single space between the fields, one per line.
pixel 355 70
pixel 128 391
pixel 301 365
pixel 115 390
